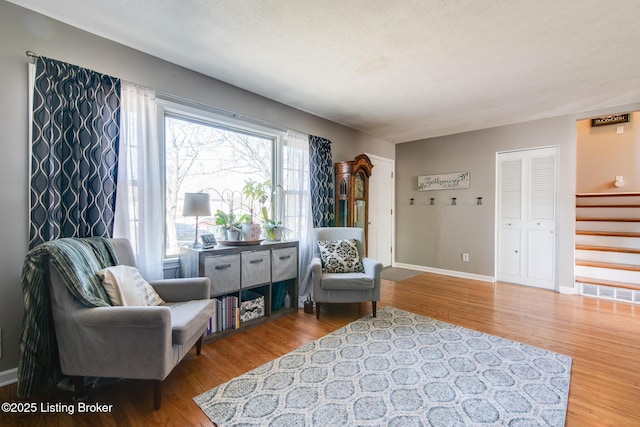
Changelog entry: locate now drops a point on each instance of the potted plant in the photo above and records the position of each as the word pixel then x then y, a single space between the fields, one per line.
pixel 256 193
pixel 273 230
pixel 230 224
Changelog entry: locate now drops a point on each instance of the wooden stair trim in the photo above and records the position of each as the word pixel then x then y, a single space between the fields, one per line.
pixel 608 206
pixel 609 265
pixel 608 219
pixel 611 283
pixel 608 249
pixel 632 194
pixel 607 233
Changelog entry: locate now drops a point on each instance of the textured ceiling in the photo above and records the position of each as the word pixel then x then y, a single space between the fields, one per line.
pixel 400 70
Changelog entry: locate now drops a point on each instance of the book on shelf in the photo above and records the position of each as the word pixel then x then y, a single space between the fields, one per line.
pixel 227 314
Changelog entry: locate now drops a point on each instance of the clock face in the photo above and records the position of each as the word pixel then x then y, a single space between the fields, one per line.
pixel 359 187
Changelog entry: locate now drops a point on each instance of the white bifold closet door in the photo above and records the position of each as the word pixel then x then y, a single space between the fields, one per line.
pixel 526 238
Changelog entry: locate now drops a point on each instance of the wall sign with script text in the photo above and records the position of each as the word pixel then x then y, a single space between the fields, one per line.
pixel 447 181
pixel 610 120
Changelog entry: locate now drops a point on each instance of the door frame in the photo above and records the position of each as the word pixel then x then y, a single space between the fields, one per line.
pixel 374 158
pixel 556 263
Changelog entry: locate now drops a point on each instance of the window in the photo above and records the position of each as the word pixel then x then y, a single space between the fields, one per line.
pixel 214 158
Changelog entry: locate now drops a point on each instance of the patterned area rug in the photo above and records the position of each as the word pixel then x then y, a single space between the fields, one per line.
pixel 399 369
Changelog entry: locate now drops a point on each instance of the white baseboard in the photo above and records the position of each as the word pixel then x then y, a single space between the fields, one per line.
pixel 453 273
pixel 8 377
pixel 569 290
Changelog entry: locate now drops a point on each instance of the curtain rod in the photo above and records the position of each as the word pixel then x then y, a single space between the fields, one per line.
pixel 169 97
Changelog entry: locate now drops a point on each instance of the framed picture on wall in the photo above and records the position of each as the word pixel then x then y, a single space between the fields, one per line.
pixel 447 181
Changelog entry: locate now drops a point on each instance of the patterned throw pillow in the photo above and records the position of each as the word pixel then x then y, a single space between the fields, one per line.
pixel 340 256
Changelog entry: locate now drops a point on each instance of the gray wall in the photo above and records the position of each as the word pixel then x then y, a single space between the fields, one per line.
pixel 603 154
pixel 435 236
pixel 22 30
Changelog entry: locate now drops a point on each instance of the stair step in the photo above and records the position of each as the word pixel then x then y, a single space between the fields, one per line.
pixel 612 283
pixel 609 265
pixel 607 233
pixel 597 219
pixel 608 249
pixel 632 194
pixel 608 206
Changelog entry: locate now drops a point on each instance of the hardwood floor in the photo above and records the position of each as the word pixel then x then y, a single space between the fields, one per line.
pixel 602 337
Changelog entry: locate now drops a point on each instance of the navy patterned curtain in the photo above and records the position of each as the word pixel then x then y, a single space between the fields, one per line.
pixel 74 152
pixel 321 170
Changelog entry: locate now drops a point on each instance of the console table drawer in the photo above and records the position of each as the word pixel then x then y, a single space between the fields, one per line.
pixel 224 273
pixel 284 263
pixel 256 268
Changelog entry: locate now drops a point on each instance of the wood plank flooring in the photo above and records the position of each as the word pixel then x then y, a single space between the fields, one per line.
pixel 602 337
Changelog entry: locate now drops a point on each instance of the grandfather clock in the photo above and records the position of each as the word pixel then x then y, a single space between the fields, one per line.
pixel 352 193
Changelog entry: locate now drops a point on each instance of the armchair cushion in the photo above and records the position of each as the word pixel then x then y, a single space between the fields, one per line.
pixel 347 281
pixel 340 256
pixel 125 286
pixel 188 317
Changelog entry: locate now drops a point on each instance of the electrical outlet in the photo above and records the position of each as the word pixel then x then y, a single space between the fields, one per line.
pixel 465 257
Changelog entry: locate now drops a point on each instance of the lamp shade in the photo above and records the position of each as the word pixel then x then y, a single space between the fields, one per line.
pixel 196 204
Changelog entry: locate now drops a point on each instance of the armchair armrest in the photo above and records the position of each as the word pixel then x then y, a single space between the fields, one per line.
pixel 316 271
pixel 372 267
pixel 183 289
pixel 137 317
pixel 316 266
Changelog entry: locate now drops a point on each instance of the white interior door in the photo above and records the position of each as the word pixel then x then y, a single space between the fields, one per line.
pixel 526 236
pixel 381 193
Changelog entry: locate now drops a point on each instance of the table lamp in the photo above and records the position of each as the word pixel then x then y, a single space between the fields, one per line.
pixel 196 204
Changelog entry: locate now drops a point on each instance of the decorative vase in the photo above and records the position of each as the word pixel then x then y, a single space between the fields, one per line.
pixel 251 232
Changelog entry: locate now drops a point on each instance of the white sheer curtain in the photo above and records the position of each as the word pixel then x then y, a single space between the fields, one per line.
pixel 138 215
pixel 297 203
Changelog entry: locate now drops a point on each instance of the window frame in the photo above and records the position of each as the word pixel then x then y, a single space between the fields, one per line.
pixel 210 116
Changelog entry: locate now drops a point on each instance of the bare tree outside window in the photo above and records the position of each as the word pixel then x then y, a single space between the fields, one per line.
pixel 205 157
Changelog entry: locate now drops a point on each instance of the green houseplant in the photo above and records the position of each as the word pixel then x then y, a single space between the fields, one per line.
pixel 230 224
pixel 273 230
pixel 256 193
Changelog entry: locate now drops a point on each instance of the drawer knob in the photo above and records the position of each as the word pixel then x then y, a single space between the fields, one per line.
pixel 223 266
pixel 285 257
pixel 255 261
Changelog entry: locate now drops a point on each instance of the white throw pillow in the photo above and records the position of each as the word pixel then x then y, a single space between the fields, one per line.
pixel 340 256
pixel 126 286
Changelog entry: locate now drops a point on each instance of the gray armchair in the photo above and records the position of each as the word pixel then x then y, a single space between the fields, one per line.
pixel 344 287
pixel 129 342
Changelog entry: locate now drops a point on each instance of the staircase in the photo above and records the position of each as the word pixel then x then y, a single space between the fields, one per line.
pixel 608 246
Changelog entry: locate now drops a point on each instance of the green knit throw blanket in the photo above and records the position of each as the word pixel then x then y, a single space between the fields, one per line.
pixel 77 260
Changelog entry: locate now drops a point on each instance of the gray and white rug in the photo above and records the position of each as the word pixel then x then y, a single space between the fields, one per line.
pixel 399 369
